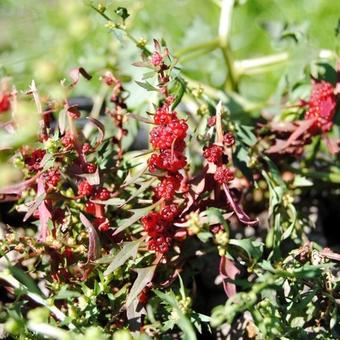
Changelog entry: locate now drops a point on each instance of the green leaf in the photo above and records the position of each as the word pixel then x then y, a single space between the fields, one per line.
pixel 142 188
pixel 146 85
pixel 181 320
pixel 136 215
pixel 129 250
pixel 26 280
pixel 245 135
pixel 293 216
pixel 241 159
pixel 253 248
pixel 301 181
pixel 115 201
pixel 145 276
pixel 64 293
pixel 205 236
pixel 215 216
pixel 148 75
pixel 179 93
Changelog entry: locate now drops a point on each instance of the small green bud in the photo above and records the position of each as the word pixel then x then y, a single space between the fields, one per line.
pixel 101 8
pixel 110 25
pixel 142 43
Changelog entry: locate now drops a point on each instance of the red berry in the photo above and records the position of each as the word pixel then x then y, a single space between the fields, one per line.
pixel 67 141
pixel 167 188
pixel 102 194
pixel 167 160
pixel 73 112
pixel 229 139
pixel 90 168
pixel 101 223
pixel 163 116
pixel 52 177
pixel 161 244
pixel 223 175
pixel 90 208
pixel 212 121
pixel 5 103
pixel 86 148
pixel 156 59
pixel 169 212
pixel 322 105
pixel 85 188
pixel 163 136
pixel 213 154
pixel 33 161
pixel 153 224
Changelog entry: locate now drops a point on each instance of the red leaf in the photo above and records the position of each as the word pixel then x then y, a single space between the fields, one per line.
pixel 75 75
pixel 303 127
pixel 241 215
pixel 94 242
pixel 228 271
pixel 332 144
pixel 73 111
pixel 101 128
pixel 35 205
pixel 44 213
pixel 18 188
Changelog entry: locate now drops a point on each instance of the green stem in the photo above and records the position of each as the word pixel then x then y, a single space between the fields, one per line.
pixel 210 45
pixel 196 54
pixel 232 78
pixel 123 28
pixel 333 177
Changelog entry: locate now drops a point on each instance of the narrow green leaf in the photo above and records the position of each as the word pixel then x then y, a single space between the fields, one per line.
pixel 34 206
pixel 145 276
pixel 253 248
pixel 181 320
pixel 129 250
pixel 146 85
pixel 137 214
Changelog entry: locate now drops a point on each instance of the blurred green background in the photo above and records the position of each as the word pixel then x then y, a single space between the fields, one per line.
pixel 43 39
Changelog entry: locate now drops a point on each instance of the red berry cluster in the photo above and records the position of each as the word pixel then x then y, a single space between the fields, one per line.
pixel 229 139
pixel 67 141
pixel 322 106
pixel 165 135
pixel 158 226
pixel 90 168
pixel 168 139
pixel 85 189
pixel 52 177
pixel 223 175
pixel 214 154
pixel 167 160
pixel 33 161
